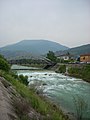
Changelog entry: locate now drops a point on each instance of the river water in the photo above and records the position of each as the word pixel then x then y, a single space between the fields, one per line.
pixel 62 90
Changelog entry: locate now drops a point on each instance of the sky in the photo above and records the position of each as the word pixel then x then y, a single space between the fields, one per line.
pixel 64 21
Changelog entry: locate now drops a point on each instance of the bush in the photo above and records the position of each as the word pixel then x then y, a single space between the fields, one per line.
pixel 62 69
pixel 41 106
pixel 81 72
pixel 21 108
pixel 4 64
pixel 23 79
pixel 80 106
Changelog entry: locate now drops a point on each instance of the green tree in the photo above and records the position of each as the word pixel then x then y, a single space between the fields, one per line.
pixel 1 56
pixel 51 56
pixel 4 64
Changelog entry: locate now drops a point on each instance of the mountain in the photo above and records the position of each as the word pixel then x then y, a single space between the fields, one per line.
pixel 28 48
pixel 76 51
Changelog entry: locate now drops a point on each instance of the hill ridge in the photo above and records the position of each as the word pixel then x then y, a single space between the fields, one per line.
pixel 31 48
pixel 84 49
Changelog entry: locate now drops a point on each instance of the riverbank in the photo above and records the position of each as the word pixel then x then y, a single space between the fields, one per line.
pixel 82 72
pixel 6 109
pixel 60 89
pixel 28 103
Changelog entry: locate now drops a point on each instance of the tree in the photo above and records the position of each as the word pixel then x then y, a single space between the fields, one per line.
pixel 51 56
pixel 4 64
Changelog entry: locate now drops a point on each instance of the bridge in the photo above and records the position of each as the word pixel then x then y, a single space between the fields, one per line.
pixel 19 67
pixel 42 60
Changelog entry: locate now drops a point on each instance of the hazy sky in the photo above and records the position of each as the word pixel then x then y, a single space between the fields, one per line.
pixel 64 21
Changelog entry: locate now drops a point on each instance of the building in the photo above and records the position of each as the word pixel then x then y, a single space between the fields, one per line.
pixel 85 58
pixel 65 57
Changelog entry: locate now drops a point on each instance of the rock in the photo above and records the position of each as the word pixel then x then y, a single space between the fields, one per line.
pixel 45 74
pixel 35 116
pixel 6 108
pixel 44 84
pixel 50 74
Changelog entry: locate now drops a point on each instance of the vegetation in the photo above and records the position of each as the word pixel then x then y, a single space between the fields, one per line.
pixel 22 108
pixel 81 107
pixel 4 64
pixel 62 69
pixel 29 99
pixel 80 72
pixel 41 106
pixel 23 79
pixel 51 56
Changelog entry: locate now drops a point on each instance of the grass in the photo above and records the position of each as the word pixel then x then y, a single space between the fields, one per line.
pixel 80 72
pixel 41 106
pixel 62 69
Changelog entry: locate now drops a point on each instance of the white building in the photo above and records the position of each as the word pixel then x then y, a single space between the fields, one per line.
pixel 65 57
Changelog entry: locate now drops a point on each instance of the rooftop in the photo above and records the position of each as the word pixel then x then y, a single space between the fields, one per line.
pixel 85 54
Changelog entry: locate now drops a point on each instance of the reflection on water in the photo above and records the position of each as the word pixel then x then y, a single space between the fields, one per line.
pixel 60 89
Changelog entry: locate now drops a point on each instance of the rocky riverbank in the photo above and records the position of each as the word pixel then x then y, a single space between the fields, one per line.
pixel 24 103
pixel 6 108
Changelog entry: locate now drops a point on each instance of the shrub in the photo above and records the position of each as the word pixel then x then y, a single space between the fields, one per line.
pixel 81 72
pixel 4 64
pixel 80 106
pixel 21 108
pixel 41 106
pixel 23 79
pixel 62 68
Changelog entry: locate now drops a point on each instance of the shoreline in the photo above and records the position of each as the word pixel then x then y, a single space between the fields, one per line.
pixel 74 76
pixel 43 103
pixel 55 105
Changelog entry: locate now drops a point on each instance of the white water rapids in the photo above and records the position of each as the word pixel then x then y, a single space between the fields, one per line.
pixel 62 90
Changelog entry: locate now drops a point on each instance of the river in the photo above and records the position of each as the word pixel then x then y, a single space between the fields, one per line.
pixel 62 90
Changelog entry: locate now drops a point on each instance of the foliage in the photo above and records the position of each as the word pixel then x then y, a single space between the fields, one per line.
pixel 61 60
pixel 51 56
pixel 69 61
pixel 1 57
pixel 41 106
pixel 23 79
pixel 81 72
pixel 81 107
pixel 62 69
pixel 4 64
pixel 21 106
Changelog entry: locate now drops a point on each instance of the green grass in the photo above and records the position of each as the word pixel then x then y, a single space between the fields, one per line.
pixel 81 72
pixel 41 106
pixel 62 69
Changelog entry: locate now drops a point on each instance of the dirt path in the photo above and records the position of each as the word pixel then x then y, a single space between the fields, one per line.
pixel 6 108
